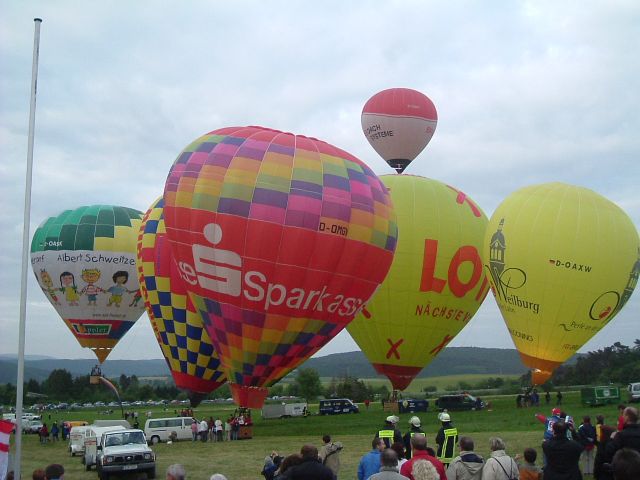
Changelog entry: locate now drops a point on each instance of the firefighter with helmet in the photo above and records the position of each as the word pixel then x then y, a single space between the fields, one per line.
pixel 414 427
pixel 389 433
pixel 446 439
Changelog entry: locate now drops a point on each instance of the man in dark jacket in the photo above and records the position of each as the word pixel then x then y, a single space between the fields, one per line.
pixel 310 468
pixel 446 439
pixel 563 455
pixel 629 437
pixel 414 427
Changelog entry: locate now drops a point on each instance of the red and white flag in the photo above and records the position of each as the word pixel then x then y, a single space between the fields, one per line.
pixel 6 427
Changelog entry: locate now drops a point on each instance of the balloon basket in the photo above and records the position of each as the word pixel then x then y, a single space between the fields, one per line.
pixel 249 397
pixel 390 406
pixel 94 379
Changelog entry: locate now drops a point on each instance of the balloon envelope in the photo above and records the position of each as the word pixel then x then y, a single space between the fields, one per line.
pixel 85 263
pixel 399 123
pixel 179 330
pixel 563 262
pixel 280 239
pixel 436 282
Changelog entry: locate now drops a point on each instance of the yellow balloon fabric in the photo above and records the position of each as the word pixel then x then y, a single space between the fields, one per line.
pixel 436 282
pixel 563 261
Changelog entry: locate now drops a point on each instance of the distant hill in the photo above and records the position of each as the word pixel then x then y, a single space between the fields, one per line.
pixel 452 361
pixel 40 369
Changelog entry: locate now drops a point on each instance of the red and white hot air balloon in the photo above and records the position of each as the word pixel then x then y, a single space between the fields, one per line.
pixel 399 123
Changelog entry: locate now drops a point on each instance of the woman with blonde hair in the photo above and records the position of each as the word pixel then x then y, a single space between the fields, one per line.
pixel 499 466
pixel 424 470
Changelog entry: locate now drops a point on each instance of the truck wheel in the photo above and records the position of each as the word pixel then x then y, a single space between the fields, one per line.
pixel 87 467
pixel 151 473
pixel 155 440
pixel 103 475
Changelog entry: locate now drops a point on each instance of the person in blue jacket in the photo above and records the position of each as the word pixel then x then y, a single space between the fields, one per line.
pixel 370 462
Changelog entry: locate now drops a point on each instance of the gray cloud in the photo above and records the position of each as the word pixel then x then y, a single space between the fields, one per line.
pixel 527 92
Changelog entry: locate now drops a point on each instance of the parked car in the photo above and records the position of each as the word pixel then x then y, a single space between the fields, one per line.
pixel 158 429
pixel 123 452
pixel 334 406
pixel 461 401
pixel 34 426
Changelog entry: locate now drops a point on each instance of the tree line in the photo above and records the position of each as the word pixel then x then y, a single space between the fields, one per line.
pixel 62 386
pixel 615 364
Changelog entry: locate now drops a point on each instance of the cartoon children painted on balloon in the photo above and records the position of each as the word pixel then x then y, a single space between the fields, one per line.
pixel 47 286
pixel 91 276
pixel 118 289
pixel 68 284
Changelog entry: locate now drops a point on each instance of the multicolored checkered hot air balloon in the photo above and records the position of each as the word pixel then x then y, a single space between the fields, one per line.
pixel 85 263
pixel 281 239
pixel 184 342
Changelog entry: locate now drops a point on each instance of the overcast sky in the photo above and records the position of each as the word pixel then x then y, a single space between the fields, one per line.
pixel 526 92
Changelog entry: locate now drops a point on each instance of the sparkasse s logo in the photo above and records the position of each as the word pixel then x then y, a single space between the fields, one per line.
pixel 220 272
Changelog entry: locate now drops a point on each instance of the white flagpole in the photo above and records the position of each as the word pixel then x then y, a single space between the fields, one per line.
pixel 25 249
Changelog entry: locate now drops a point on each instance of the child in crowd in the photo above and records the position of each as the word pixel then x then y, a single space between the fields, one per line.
pixel 529 470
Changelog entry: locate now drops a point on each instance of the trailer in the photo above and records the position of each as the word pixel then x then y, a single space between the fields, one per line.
pixel 284 410
pixel 603 395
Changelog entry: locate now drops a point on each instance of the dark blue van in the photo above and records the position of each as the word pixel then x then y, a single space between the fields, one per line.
pixel 334 406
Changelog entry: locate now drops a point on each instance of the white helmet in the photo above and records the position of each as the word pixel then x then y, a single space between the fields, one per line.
pixel 415 421
pixel 444 417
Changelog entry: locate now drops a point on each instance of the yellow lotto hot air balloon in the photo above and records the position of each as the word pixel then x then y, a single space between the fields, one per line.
pixel 436 282
pixel 563 261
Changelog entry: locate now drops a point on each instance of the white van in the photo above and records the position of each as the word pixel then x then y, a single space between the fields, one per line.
pixel 634 392
pixel 158 429
pixel 92 438
pixel 76 439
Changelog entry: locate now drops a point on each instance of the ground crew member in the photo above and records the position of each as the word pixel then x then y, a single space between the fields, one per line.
pixel 446 439
pixel 389 433
pixel 414 427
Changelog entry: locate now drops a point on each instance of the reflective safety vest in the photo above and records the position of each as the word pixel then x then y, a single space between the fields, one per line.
pixel 386 436
pixel 449 445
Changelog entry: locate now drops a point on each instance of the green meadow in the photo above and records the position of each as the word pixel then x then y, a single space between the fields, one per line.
pixel 243 459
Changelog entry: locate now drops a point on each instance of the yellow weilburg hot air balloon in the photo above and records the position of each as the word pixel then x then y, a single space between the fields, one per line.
pixel 563 261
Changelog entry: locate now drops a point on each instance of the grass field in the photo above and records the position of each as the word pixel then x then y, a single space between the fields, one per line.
pixel 417 386
pixel 243 459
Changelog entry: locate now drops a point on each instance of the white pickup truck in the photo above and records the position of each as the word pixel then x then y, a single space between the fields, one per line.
pixel 125 451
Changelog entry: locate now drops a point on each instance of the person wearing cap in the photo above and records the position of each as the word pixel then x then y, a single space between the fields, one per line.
pixel 446 439
pixel 549 422
pixel 389 433
pixel 414 427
